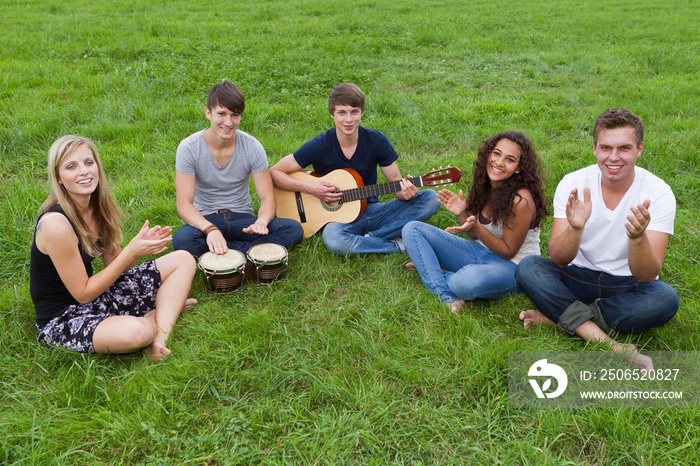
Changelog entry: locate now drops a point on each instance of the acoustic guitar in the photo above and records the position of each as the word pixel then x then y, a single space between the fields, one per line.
pixel 313 213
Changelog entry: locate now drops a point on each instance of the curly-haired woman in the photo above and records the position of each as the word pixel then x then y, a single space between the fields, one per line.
pixel 502 213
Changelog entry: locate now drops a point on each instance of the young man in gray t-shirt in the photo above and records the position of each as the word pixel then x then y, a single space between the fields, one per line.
pixel 212 178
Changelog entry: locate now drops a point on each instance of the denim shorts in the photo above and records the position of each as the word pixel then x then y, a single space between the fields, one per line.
pixel 132 294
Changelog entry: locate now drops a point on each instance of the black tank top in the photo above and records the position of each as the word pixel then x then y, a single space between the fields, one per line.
pixel 49 294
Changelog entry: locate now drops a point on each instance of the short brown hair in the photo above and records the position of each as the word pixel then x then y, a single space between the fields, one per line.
pixel 228 95
pixel 617 118
pixel 346 94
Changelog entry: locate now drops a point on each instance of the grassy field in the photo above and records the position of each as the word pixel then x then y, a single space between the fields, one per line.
pixel 347 360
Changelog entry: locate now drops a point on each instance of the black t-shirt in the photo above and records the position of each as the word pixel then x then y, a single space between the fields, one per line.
pixel 325 154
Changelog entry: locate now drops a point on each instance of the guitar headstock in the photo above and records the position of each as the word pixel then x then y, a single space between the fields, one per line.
pixel 442 176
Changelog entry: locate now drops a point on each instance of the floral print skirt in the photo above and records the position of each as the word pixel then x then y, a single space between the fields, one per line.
pixel 132 294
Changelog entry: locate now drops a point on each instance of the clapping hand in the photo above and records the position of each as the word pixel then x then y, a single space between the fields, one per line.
pixel 639 220
pixel 465 228
pixel 157 232
pixel 578 212
pixel 149 241
pixel 454 203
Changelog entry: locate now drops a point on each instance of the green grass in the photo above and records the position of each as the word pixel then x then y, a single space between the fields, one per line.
pixel 348 360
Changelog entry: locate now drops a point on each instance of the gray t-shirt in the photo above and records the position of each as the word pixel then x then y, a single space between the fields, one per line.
pixel 218 187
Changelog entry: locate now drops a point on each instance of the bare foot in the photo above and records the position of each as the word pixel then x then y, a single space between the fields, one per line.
pixel 410 266
pixel 633 356
pixel 157 352
pixel 534 317
pixel 456 306
pixel 189 304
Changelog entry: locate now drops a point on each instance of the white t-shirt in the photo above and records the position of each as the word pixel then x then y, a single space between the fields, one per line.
pixel 604 241
pixel 218 187
pixel 530 246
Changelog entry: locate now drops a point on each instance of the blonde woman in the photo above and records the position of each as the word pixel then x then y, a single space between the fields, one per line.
pixel 122 308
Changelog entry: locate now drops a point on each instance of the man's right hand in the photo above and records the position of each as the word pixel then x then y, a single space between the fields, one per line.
pixel 578 212
pixel 325 191
pixel 217 242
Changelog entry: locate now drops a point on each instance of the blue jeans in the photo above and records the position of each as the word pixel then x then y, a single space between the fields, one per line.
pixel 454 268
pixel 376 231
pixel 282 231
pixel 625 305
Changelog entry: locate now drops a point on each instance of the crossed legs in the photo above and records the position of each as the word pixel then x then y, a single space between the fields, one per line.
pixel 592 304
pixel 121 334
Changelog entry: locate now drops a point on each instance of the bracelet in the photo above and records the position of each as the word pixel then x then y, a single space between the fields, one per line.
pixel 209 229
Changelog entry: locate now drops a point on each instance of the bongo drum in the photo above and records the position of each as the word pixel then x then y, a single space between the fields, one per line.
pixel 270 260
pixel 223 272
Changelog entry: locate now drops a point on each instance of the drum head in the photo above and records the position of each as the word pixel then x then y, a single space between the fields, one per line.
pixel 230 260
pixel 267 252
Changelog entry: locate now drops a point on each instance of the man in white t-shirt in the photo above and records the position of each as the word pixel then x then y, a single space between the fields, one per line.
pixel 213 171
pixel 609 236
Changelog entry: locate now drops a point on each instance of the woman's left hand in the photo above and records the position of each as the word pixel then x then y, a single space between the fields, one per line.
pixel 149 241
pixel 465 228
pixel 157 233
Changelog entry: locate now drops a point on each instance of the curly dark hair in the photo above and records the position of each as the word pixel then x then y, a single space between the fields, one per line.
pixel 502 199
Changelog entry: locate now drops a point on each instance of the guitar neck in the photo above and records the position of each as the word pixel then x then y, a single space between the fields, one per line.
pixel 364 192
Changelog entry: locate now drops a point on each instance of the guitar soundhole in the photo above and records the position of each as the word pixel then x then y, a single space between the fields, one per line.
pixel 332 206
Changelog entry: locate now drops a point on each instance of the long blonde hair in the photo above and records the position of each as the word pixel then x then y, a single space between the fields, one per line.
pixel 106 212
